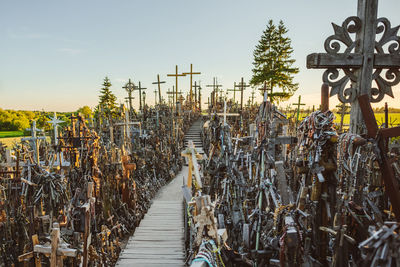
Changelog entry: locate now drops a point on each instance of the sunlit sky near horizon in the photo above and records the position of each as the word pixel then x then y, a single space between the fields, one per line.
pixel 54 55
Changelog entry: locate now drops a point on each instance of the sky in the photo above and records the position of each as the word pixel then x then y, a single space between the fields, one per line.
pixel 54 55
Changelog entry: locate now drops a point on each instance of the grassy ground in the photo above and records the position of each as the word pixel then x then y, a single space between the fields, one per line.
pixel 11 134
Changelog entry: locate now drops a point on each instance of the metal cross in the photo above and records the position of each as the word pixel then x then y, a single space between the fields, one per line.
pixel 191 73
pixel 158 82
pixel 360 64
pixel 129 87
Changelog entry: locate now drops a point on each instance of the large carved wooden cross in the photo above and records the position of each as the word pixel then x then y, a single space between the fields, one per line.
pixel 373 56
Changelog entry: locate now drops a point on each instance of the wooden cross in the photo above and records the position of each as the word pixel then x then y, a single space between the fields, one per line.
pixel 155 97
pixel 342 110
pixel 252 97
pixel 381 136
pixel 158 82
pixel 195 93
pixel 140 88
pixel 191 73
pixel 242 85
pixel 176 75
pixel 34 140
pixel 298 104
pixel 199 96
pixel 214 93
pixel 234 90
pixel 359 63
pixel 171 94
pixel 129 87
pixel 266 89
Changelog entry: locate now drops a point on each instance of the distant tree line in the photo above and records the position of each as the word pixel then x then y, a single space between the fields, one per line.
pixel 20 120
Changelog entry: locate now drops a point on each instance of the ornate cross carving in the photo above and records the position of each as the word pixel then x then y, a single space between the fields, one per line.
pixel 367 49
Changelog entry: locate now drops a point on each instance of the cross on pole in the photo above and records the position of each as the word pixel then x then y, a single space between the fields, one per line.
pixel 158 82
pixel 176 75
pixel 129 87
pixel 242 85
pixel 360 64
pixel 298 104
pixel 140 88
pixel 214 93
pixel 195 92
pixel 191 73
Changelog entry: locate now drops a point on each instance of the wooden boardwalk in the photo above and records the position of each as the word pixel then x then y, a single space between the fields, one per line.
pixel 159 239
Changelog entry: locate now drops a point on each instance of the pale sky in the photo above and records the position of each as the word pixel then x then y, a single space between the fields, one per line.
pixel 54 55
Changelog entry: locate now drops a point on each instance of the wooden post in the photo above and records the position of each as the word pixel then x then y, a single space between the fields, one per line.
pixel 55 239
pixel 324 97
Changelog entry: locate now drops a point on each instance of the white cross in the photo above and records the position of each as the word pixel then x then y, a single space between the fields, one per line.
pixel 55 122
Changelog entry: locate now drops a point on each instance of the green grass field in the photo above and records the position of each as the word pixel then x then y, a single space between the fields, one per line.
pixel 4 134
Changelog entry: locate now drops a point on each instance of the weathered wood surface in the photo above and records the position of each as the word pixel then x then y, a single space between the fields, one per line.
pixel 158 241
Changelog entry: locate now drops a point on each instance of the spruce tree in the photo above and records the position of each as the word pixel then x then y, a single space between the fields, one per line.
pixel 273 63
pixel 107 98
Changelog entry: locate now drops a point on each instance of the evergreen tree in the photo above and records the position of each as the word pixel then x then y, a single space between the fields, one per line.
pixel 273 62
pixel 107 98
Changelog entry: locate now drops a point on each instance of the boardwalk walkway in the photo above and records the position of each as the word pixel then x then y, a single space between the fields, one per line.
pixel 158 241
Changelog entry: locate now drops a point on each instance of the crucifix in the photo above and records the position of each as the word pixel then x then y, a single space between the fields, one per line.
pixel 363 61
pixel 34 140
pixel 342 110
pixel 214 93
pixel 176 75
pixel 195 93
pixel 298 104
pixel 158 82
pixel 242 85
pixel 140 88
pixel 129 87
pixel 234 90
pixel 191 73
